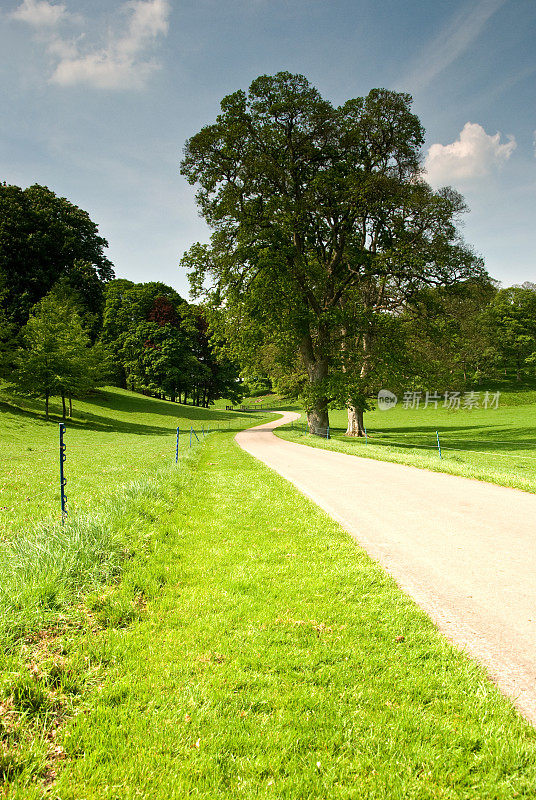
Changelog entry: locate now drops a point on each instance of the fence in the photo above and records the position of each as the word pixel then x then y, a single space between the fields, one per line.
pixel 245 408
pixel 441 443
pixel 306 427
pixel 44 457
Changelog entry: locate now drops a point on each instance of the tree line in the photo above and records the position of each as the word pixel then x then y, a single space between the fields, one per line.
pixel 68 325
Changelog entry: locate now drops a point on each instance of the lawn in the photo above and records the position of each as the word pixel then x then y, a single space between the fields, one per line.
pixel 277 660
pixel 494 444
pixel 230 640
pixel 114 436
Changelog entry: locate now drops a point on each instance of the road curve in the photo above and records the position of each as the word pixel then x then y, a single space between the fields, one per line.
pixel 465 550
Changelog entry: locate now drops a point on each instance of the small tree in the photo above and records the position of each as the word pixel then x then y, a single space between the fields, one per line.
pixel 56 357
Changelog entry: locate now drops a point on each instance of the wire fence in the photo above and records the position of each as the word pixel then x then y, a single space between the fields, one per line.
pixel 56 463
pixel 441 442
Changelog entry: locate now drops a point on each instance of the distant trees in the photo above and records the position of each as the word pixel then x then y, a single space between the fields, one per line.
pixel 512 329
pixel 161 345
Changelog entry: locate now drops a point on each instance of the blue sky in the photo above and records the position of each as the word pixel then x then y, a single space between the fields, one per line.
pixel 99 96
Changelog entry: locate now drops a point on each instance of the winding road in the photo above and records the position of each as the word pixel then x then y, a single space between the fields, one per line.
pixel 463 549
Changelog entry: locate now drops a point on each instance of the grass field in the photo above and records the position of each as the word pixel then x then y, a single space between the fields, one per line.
pixel 272 658
pixel 496 445
pixel 114 436
pixel 220 636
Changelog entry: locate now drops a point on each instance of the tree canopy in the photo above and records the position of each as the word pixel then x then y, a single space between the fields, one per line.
pixel 161 344
pixel 317 211
pixel 57 357
pixel 45 239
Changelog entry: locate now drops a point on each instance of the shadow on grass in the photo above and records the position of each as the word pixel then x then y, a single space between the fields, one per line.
pixel 105 403
pixel 466 437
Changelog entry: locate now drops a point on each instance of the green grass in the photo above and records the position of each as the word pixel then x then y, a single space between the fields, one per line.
pixel 115 436
pixel 122 452
pixel 496 445
pixel 209 632
pixel 269 663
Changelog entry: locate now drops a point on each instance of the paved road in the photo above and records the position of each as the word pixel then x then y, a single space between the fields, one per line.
pixel 464 550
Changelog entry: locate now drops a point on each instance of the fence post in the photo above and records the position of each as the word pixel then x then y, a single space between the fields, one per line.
pixel 190 435
pixel 438 445
pixel 327 437
pixel 177 448
pixel 63 479
pixel 366 437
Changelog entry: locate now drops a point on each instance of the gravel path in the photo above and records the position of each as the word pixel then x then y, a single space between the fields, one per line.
pixel 464 550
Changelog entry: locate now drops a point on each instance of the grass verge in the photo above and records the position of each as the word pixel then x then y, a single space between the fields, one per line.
pixel 272 658
pixel 60 587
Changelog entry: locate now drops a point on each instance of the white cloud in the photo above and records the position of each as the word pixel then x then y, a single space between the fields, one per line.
pixel 450 43
pixel 40 13
pixel 122 62
pixel 473 155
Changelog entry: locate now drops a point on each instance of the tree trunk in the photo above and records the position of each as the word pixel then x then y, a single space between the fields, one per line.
pixel 356 425
pixel 317 370
pixel 70 407
pixel 63 407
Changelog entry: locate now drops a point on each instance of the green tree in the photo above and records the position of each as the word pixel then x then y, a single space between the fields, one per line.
pixel 56 358
pixel 512 325
pixel 44 239
pixel 311 205
pixel 139 320
pixel 161 344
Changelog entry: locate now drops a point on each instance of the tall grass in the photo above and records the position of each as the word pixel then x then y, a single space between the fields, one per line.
pixel 46 570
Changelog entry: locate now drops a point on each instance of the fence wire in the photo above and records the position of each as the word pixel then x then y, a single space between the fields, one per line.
pixel 376 438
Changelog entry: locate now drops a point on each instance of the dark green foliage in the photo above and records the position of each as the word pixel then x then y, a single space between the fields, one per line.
pixel 512 329
pixel 160 344
pixel 45 239
pixel 317 211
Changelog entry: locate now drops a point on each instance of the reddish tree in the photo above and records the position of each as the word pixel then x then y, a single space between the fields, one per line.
pixel 163 313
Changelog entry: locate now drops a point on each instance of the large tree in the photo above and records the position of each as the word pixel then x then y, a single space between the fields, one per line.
pixel 314 209
pixel 45 239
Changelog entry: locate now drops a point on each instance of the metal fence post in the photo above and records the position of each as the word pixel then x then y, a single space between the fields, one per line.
pixel 438 445
pixel 63 479
pixel 366 437
pixel 327 437
pixel 177 448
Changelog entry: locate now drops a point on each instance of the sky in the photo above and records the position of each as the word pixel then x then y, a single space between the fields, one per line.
pixel 99 96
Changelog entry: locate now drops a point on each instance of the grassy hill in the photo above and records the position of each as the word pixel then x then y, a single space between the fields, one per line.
pixel 114 436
